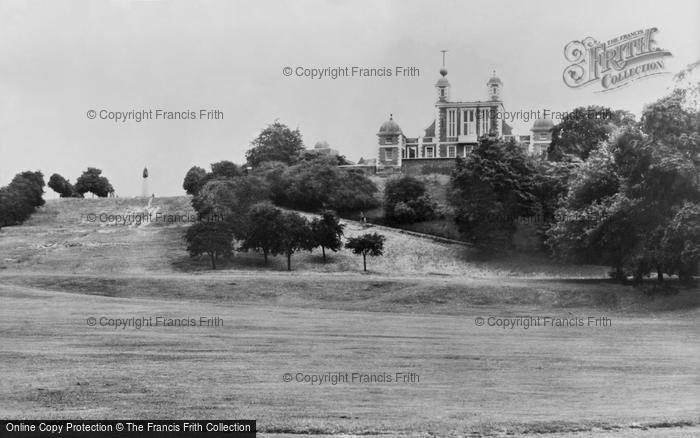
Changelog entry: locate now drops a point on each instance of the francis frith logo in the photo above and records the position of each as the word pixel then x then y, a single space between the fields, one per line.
pixel 614 63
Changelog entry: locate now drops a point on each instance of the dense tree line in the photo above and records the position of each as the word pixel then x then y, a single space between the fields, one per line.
pixel 267 229
pixel 90 181
pixel 318 184
pixel 617 192
pixel 292 177
pixel 634 204
pixel 236 205
pixel 20 198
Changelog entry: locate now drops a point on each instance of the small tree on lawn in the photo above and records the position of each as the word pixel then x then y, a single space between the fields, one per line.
pixel 212 238
pixel 294 235
pixel 367 244
pixel 262 231
pixel 326 232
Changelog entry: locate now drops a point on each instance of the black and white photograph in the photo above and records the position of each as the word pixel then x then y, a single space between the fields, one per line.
pixel 349 218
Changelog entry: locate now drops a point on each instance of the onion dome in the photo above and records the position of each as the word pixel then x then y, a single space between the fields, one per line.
pixel 494 79
pixel 543 124
pixel 390 127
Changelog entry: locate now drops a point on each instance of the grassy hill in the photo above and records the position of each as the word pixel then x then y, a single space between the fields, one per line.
pixel 61 237
pixel 417 311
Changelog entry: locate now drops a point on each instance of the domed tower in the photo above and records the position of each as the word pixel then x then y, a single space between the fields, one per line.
pixel 541 137
pixel 391 141
pixel 494 87
pixel 442 86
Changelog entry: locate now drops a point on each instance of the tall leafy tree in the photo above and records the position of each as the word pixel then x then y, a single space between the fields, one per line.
pixel 195 179
pixel 490 189
pixel 20 198
pixel 31 186
pixel 275 143
pixel 584 129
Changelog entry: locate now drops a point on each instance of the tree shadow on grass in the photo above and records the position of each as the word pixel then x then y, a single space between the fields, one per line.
pixel 243 261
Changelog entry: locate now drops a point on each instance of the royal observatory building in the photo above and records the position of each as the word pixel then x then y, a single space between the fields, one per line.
pixel 456 128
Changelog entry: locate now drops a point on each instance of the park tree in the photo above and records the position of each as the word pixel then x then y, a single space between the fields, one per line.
pixel 62 186
pixel 294 235
pixel 20 198
pixel 309 184
pixel 490 189
pixel 686 80
pixel 321 184
pixel 584 129
pixel 631 205
pixel 354 192
pixel 275 143
pixel 262 230
pixel 671 122
pixel 551 184
pixel 228 200
pixel 326 232
pixel 406 201
pixel 212 238
pixel 195 178
pixel 92 181
pixel 30 185
pixel 680 243
pixel 225 170
pixel 272 173
pixel 371 244
pixel 15 207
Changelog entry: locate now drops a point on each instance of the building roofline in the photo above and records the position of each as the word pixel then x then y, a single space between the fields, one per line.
pixel 467 103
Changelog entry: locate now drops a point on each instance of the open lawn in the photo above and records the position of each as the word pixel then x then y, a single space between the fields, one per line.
pixel 416 313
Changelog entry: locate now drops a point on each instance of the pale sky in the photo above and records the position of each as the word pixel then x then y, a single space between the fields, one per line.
pixel 60 59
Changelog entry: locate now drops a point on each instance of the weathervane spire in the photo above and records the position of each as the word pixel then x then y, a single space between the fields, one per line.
pixel 443 57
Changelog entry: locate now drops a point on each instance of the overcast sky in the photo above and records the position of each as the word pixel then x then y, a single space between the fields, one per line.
pixel 60 59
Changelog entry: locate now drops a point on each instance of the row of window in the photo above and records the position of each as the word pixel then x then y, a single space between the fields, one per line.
pixel 468 122
pixel 429 152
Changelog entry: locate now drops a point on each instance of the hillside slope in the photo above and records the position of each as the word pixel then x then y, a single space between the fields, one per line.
pixel 77 236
